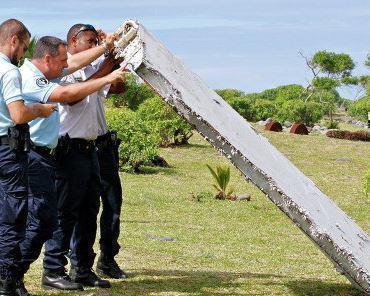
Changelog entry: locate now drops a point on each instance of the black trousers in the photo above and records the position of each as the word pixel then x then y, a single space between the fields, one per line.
pixel 42 206
pixel 13 209
pixel 111 196
pixel 78 189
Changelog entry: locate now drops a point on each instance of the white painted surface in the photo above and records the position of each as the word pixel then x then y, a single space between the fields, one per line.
pixel 318 216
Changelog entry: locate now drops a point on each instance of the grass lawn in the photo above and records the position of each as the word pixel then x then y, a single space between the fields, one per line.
pixel 173 244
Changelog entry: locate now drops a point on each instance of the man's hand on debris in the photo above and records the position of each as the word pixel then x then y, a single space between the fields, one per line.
pixel 118 75
pixel 107 39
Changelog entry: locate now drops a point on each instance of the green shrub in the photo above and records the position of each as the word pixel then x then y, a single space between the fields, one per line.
pixel 264 109
pixel 243 106
pixel 360 108
pixel 228 93
pixel 289 92
pixel 299 111
pixel 135 93
pixel 163 121
pixel 331 124
pixel 139 145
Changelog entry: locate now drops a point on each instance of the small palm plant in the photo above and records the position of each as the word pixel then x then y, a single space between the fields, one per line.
pixel 222 177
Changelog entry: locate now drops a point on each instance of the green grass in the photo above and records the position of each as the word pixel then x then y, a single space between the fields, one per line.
pixel 224 247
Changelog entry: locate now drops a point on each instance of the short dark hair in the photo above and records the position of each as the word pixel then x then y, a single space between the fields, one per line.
pixel 13 27
pixel 75 29
pixel 47 45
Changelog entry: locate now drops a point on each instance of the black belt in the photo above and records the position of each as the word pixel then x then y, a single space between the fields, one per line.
pixel 43 150
pixel 83 145
pixel 4 140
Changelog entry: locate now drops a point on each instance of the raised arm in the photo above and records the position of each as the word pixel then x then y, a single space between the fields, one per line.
pixel 107 66
pixel 72 93
pixel 84 58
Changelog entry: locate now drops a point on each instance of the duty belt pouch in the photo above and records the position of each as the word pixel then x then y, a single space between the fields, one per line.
pixel 63 148
pixel 19 137
pixel 115 141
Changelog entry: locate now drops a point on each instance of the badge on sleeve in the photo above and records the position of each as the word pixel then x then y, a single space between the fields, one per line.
pixel 42 81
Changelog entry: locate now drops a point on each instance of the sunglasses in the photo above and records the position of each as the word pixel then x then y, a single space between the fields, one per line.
pixel 86 28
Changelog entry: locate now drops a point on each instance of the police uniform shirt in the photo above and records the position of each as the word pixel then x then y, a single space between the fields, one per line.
pixel 101 121
pixel 37 89
pixel 80 120
pixel 10 91
pixel 102 94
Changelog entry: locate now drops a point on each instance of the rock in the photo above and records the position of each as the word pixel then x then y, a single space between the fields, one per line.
pixel 246 197
pixel 268 120
pixel 344 159
pixel 163 239
pixel 287 123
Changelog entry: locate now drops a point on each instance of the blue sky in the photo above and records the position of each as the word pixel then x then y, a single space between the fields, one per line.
pixel 250 45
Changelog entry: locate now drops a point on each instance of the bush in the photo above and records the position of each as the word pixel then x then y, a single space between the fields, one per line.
pixel 331 124
pixel 139 145
pixel 163 121
pixel 135 93
pixel 228 93
pixel 243 106
pixel 299 111
pixel 353 136
pixel 289 92
pixel 264 109
pixel 360 108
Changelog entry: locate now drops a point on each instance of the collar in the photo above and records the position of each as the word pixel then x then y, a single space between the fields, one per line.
pixel 4 57
pixel 27 63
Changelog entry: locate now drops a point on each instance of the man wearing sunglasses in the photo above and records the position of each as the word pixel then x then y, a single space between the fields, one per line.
pixel 78 177
pixel 107 143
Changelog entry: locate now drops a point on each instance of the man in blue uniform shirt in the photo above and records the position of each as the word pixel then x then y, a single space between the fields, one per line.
pixel 49 62
pixel 14 143
pixel 78 179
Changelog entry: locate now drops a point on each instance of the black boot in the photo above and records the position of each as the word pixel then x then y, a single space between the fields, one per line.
pixel 59 279
pixel 20 289
pixel 87 277
pixel 108 267
pixel 7 287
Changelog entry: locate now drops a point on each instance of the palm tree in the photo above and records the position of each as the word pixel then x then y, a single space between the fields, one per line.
pixel 30 50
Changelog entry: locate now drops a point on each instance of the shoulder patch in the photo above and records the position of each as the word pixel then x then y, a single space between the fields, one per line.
pixel 41 82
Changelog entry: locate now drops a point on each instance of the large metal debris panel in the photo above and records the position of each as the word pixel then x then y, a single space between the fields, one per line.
pixel 297 196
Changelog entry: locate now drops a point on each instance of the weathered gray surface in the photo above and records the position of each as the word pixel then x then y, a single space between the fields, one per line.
pixel 312 211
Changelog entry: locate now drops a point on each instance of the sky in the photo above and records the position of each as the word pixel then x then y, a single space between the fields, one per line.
pixel 251 45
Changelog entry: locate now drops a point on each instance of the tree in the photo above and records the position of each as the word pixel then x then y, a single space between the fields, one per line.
pixel 330 70
pixel 29 53
pixel 228 94
pixel 367 62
